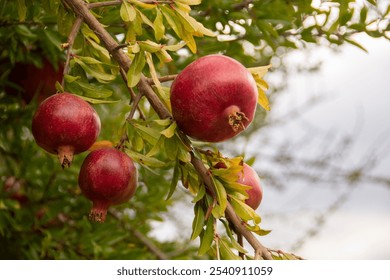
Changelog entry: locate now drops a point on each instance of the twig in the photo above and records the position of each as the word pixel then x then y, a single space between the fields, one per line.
pixel 69 45
pixel 133 97
pixel 163 79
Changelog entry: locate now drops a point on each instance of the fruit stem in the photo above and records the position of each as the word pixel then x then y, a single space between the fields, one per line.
pixel 98 214
pixel 65 155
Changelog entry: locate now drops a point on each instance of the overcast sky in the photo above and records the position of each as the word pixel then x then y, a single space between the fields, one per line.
pixel 357 86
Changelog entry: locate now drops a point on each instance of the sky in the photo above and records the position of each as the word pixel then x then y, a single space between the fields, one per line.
pixel 356 86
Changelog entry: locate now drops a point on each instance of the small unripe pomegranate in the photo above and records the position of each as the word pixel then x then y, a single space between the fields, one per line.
pixel 64 124
pixel 249 177
pixel 214 98
pixel 107 177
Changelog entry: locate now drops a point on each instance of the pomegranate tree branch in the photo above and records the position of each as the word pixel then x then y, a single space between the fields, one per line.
pixel 81 9
pixel 69 45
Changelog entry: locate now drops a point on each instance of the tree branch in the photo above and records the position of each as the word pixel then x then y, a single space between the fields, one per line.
pixel 81 9
pixel 69 45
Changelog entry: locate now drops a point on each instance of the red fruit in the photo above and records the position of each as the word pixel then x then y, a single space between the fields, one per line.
pixel 64 124
pixel 34 81
pixel 214 98
pixel 250 178
pixel 107 177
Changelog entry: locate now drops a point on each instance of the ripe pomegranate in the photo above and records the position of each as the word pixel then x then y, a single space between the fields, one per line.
pixel 107 177
pixel 64 124
pixel 34 81
pixel 249 177
pixel 214 98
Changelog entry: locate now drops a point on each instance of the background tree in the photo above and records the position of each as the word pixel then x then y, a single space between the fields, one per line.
pixel 42 213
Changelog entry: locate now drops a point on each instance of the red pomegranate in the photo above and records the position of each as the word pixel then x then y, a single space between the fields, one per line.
pixel 214 98
pixel 249 177
pixel 64 124
pixel 107 177
pixel 33 81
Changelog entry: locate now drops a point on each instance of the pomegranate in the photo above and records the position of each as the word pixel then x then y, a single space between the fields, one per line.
pixel 64 124
pixel 34 81
pixel 214 98
pixel 107 177
pixel 249 177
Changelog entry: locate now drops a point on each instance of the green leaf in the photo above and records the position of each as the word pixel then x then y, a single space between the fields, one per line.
pixel 22 10
pixel 207 237
pixel 93 90
pixel 356 44
pixel 244 211
pixel 233 240
pixel 221 196
pixel 127 12
pixel 92 67
pixel 145 160
pixel 135 69
pixel 103 51
pixel 151 135
pixel 175 180
pixel 159 28
pixel 98 101
pixel 225 250
pixel 198 222
pixel 200 194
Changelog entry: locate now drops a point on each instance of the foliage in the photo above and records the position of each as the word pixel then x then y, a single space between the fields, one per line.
pixel 42 212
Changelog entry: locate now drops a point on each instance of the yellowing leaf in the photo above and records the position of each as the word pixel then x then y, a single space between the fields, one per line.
pixel 101 145
pixel 135 69
pixel 190 2
pixel 175 47
pixel 127 12
pixel 142 4
pixel 170 131
pixel 159 28
pixel 258 74
pixel 149 46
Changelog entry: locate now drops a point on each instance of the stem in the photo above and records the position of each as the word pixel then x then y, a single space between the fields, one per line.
pixel 69 45
pixel 163 79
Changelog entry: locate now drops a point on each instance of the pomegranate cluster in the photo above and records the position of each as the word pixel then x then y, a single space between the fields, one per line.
pixel 64 124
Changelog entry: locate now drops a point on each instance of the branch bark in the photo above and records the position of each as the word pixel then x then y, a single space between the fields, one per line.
pixel 81 9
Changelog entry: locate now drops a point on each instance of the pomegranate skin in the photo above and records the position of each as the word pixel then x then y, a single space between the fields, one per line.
pixel 214 98
pixel 250 178
pixel 107 177
pixel 64 124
